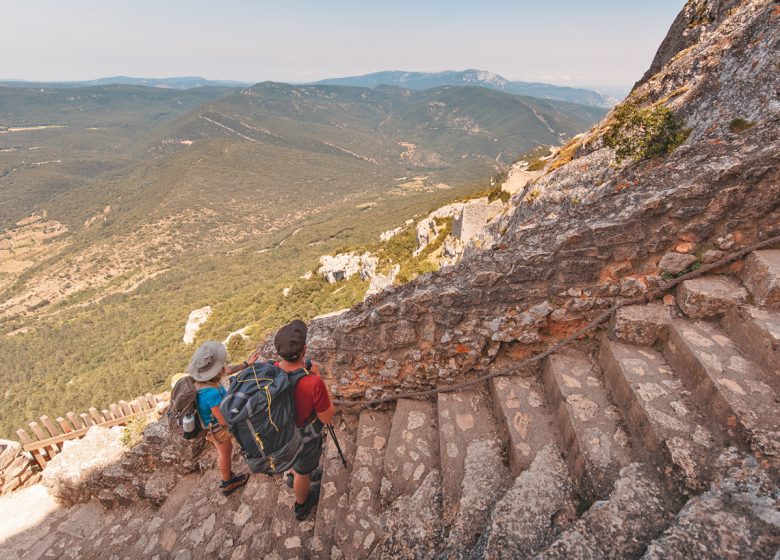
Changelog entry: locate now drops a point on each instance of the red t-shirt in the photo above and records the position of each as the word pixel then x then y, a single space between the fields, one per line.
pixel 311 396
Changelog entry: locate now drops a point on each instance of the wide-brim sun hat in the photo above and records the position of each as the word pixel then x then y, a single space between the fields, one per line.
pixel 207 361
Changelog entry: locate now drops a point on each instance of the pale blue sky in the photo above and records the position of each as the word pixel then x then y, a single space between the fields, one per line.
pixel 598 42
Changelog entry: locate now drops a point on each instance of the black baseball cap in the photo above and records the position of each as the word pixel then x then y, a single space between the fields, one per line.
pixel 291 339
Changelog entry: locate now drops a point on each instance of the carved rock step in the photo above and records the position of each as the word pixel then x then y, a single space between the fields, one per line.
pixel 334 488
pixel 620 527
pixel 709 296
pixel 412 450
pixel 757 332
pixel 725 383
pixel 536 508
pixel 485 480
pixel 595 447
pixel 360 529
pixel 761 276
pixel 736 518
pixel 464 417
pixel 523 417
pixel 657 410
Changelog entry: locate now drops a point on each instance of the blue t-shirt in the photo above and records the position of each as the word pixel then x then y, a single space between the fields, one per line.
pixel 207 399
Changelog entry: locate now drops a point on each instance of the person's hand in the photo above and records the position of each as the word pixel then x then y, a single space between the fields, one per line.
pixel 253 357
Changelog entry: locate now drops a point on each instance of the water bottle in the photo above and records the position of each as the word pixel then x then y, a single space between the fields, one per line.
pixel 188 423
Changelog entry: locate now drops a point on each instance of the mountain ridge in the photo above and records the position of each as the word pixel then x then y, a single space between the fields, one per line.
pixel 474 77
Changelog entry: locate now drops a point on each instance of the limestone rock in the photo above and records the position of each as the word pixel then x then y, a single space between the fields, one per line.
pixel 709 296
pixel 381 281
pixel 639 324
pixel 533 511
pixel 387 235
pixel 736 518
pixel 344 266
pixel 674 263
pixel 428 228
pixel 74 475
pixel 762 276
pixel 619 527
pixel 195 321
pixel 8 452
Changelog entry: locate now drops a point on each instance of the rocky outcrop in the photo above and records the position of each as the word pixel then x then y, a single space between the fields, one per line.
pixel 344 266
pixel 77 473
pixel 380 282
pixel 429 227
pixel 195 321
pixel 16 469
pixel 100 466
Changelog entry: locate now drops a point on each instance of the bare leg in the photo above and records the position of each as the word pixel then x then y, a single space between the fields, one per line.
pixel 224 452
pixel 301 483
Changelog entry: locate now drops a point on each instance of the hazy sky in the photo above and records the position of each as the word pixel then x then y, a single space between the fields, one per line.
pixel 598 42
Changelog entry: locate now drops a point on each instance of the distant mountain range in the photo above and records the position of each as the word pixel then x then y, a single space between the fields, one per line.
pixel 185 82
pixel 482 78
pixel 408 80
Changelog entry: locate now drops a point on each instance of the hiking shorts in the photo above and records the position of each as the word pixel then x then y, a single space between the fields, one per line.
pixel 309 457
pixel 217 435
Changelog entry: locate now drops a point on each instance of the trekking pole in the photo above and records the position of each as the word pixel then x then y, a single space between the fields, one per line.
pixel 338 447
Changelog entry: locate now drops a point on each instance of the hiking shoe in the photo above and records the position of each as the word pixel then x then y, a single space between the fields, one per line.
pixel 230 486
pixel 316 476
pixel 302 510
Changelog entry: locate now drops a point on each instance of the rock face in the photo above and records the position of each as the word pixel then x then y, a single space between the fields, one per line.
pixel 344 266
pixel 195 321
pixel 76 474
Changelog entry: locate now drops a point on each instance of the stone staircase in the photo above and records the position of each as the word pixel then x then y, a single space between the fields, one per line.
pixel 658 439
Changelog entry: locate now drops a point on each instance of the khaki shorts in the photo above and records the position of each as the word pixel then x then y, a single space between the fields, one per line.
pixel 217 435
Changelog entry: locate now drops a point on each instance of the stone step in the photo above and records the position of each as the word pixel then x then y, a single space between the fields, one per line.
pixel 360 529
pixel 526 424
pixel 639 324
pixel 464 416
pixel 727 385
pixel 209 522
pixel 709 296
pixel 761 276
pixel 334 488
pixel 595 447
pixel 736 518
pixel 536 508
pixel 287 537
pixel 665 428
pixel 619 527
pixel 485 480
pixel 412 450
pixel 757 333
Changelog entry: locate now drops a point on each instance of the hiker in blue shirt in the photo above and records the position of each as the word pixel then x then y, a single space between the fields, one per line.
pixel 206 368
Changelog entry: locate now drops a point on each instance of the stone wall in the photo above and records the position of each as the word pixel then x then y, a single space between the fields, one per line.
pixel 16 468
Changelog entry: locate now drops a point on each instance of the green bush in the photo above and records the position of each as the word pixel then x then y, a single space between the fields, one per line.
pixel 643 133
pixel 740 125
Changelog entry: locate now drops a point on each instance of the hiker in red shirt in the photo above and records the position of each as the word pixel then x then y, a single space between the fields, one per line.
pixel 313 409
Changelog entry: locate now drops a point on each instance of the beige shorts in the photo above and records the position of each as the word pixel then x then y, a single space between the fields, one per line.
pixel 217 435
